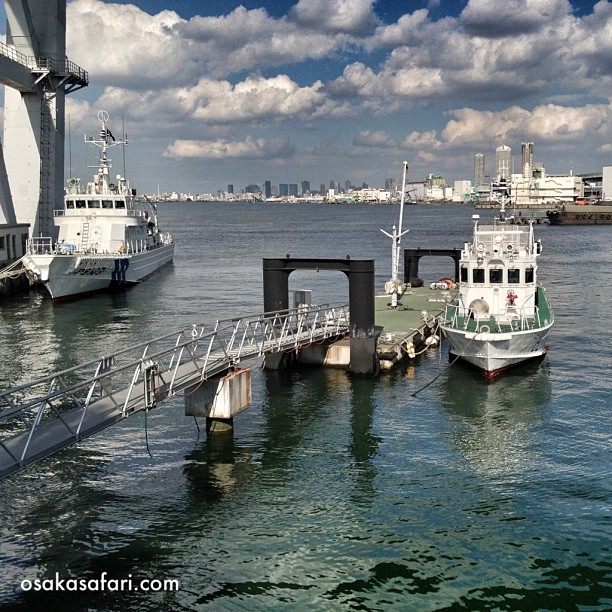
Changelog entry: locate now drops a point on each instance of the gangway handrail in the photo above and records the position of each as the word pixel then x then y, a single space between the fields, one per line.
pixel 119 389
pixel 185 338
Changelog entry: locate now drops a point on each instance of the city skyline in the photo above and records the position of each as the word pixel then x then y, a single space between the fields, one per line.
pixel 288 90
pixel 503 165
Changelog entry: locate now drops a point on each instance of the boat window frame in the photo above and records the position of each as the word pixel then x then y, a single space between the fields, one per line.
pixel 496 276
pixel 93 204
pixel 107 204
pixel 70 205
pixel 514 276
pixel 478 275
pixel 529 274
pixel 464 274
pixel 80 204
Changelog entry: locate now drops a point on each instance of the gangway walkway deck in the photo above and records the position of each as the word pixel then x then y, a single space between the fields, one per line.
pixel 40 418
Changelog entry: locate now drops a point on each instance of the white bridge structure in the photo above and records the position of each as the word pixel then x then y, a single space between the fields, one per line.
pixel 37 76
pixel 40 418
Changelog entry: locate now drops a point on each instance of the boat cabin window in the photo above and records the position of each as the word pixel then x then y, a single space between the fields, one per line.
pixel 107 203
pixel 478 275
pixel 69 204
pixel 529 275
pixel 514 275
pixel 119 204
pixel 464 274
pixel 496 275
pixel 81 204
pixel 94 204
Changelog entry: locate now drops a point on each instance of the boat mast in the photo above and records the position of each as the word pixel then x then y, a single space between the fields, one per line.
pixel 105 141
pixel 393 286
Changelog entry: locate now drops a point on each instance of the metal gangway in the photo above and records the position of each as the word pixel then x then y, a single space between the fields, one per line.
pixel 41 418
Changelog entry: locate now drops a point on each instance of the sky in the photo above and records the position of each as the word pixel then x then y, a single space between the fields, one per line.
pixel 215 92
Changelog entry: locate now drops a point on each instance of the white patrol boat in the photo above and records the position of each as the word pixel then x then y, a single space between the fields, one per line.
pixel 501 316
pixel 106 239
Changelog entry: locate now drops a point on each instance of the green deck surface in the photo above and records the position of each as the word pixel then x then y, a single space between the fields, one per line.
pixel 407 317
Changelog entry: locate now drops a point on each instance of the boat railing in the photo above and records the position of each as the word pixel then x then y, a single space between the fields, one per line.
pixel 44 246
pixel 40 245
pixel 124 212
pixel 511 318
pixel 137 246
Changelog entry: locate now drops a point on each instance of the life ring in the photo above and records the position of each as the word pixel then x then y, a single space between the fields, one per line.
pixel 484 329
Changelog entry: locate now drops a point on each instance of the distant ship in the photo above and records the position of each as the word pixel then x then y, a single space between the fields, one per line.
pixel 106 239
pixel 501 316
pixel 581 214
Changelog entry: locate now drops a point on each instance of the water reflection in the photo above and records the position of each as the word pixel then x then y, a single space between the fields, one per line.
pixel 495 424
pixel 363 443
pixel 216 468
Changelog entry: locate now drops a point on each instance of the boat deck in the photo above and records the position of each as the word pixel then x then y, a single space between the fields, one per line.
pixel 406 318
pixel 402 331
pixel 510 322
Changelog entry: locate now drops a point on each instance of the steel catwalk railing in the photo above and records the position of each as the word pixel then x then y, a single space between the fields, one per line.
pixel 177 359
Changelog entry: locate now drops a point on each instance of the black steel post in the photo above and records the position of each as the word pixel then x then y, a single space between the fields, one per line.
pixel 411 267
pixel 362 330
pixel 275 284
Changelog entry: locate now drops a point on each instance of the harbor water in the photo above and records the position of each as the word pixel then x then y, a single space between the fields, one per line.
pixel 427 488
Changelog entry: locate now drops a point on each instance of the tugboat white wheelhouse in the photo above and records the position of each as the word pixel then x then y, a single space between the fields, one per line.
pixel 501 316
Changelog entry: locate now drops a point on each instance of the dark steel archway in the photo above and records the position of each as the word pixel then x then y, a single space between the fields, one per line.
pixel 413 256
pixel 360 273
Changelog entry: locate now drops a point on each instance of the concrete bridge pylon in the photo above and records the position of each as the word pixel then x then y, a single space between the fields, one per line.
pixel 37 76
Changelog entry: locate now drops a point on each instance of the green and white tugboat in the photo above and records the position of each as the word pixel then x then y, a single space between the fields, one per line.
pixel 501 316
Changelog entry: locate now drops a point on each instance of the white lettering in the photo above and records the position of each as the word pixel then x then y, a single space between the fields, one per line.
pixel 101 584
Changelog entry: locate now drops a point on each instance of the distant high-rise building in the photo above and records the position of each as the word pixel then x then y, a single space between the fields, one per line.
pixel 230 189
pixel 283 189
pixel 267 189
pixel 322 189
pixel 503 162
pixel 293 189
pixel 479 169
pixel 389 184
pixel 305 187
pixel 527 159
pixel 332 185
pixel 347 185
